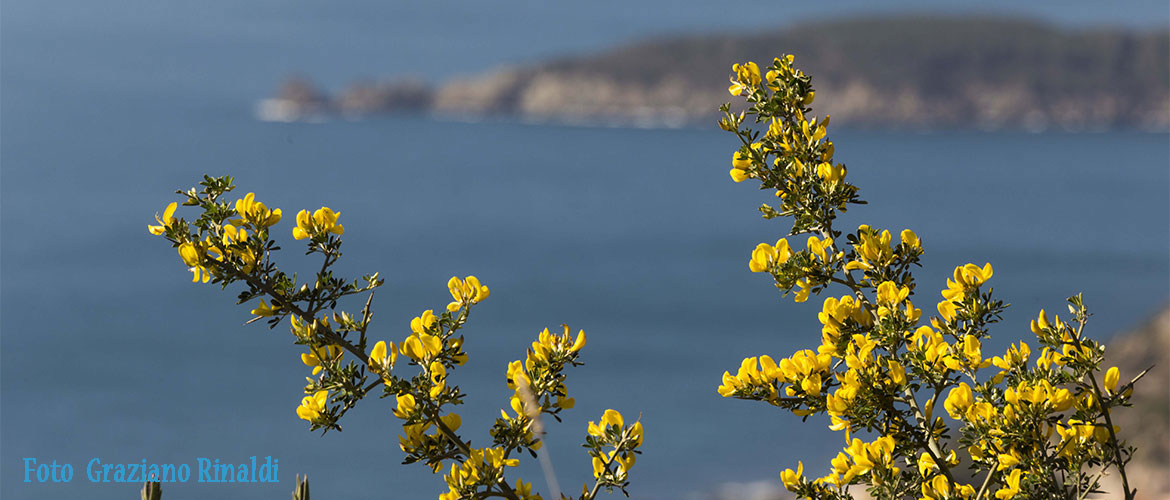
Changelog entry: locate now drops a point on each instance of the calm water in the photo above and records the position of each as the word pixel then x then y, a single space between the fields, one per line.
pixel 634 235
pixel 637 236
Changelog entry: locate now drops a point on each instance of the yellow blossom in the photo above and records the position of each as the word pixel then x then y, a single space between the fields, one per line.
pixel 805 290
pixel 909 239
pixel 190 254
pixel 255 213
pixel 315 357
pixel 966 279
pixel 312 406
pixel 598 467
pixel 421 347
pixel 264 311
pixel 422 324
pixel 611 418
pixel 947 310
pixel 1111 378
pixel 1011 486
pixel 382 358
pixel 832 174
pixel 765 256
pixel 741 161
pixel 466 291
pixel 406 406
pixel 792 479
pixel 324 220
pixel 1006 461
pixel 437 374
pixel 166 220
pixel 958 400
pixel 747 76
pixel 889 297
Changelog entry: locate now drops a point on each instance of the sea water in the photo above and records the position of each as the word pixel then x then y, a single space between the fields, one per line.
pixel 637 236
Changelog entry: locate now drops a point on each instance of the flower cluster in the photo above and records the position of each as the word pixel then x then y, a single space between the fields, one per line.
pixel 614 448
pixel 1031 429
pixel 231 243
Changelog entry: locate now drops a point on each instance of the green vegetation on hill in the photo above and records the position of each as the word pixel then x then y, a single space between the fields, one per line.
pixel 903 71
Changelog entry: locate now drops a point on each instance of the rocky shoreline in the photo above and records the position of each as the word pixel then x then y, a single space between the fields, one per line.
pixel 908 72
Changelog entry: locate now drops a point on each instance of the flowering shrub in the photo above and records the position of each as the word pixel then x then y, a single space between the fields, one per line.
pixel 232 243
pixel 947 422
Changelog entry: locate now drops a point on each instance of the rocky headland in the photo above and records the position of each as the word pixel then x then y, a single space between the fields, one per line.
pixel 907 72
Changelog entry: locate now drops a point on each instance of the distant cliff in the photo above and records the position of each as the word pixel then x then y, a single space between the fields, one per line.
pixel 915 72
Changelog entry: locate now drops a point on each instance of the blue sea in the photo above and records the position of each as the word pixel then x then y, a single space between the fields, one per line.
pixel 637 236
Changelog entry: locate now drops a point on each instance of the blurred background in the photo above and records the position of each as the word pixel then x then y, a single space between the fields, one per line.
pixel 567 155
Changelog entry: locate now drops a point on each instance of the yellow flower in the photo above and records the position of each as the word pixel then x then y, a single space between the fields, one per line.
pixel 897 372
pixel 741 161
pixel 972 353
pixel 324 220
pixel 805 289
pixel 610 418
pixel 315 357
pixel 255 213
pixel 465 292
pixel 958 400
pixel 926 464
pixel 516 375
pixel 765 255
pixel 1011 486
pixel 494 457
pixel 1006 461
pixel 1111 378
pixel 1015 356
pixel 382 358
pixel 524 491
pixel 747 76
pixel 190 254
pixel 406 406
pixel 966 278
pixel 889 297
pixel 873 248
pixel 729 386
pixel 830 173
pixel 312 406
pixel 738 175
pixel 548 345
pixel 437 377
pixel 264 311
pixel 422 346
pixel 937 488
pixel 947 310
pixel 194 255
pixel 579 342
pixel 792 479
pixel 421 324
pixel 598 467
pixel 166 220
pixel 910 239
pixel 819 248
pixel 635 433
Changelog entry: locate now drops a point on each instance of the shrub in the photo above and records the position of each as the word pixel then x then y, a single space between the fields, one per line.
pixel 232 243
pixel 1024 424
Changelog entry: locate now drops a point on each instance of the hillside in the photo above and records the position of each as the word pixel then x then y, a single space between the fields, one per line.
pixel 914 72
